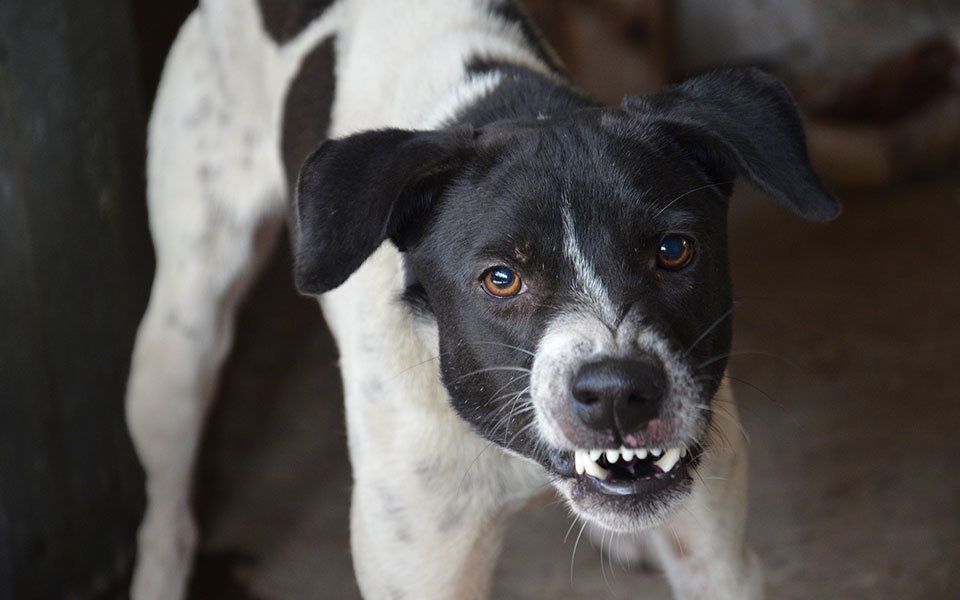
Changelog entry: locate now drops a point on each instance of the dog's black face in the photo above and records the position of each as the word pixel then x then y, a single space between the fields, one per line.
pixel 575 268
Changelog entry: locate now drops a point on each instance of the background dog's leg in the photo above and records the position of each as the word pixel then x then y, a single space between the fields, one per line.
pixel 702 548
pixel 215 198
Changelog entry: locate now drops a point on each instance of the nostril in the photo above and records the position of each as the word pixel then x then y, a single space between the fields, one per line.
pixel 584 395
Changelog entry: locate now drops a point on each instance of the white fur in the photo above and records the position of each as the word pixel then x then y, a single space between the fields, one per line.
pixel 430 496
pixel 594 292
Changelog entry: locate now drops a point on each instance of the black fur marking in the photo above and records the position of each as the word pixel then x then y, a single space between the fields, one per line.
pixel 284 19
pixel 306 111
pixel 357 192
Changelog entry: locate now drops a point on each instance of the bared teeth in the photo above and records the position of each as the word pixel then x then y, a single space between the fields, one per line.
pixel 670 458
pixel 586 461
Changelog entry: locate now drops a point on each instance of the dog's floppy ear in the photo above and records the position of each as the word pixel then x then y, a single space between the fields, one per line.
pixel 356 192
pixel 742 122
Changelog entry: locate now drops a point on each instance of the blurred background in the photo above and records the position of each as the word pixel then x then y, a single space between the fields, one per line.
pixel 847 343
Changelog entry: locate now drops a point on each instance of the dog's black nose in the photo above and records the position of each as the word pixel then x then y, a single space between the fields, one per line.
pixel 618 393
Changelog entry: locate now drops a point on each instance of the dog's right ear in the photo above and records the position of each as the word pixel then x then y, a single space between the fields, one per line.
pixel 356 192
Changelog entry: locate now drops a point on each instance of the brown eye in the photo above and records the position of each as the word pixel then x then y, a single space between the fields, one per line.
pixel 501 282
pixel 675 252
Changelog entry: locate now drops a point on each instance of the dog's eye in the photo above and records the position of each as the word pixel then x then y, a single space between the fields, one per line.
pixel 501 282
pixel 675 252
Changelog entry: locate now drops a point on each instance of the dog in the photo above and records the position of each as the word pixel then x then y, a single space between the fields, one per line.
pixel 526 288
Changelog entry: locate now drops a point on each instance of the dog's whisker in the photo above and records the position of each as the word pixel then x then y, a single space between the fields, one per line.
pixel 603 572
pixel 510 346
pixel 720 357
pixel 688 192
pixel 572 524
pixel 723 412
pixel 573 555
pixel 677 538
pixel 470 466
pixel 717 322
pixel 521 431
pixel 504 422
pixel 516 397
pixel 755 388
pixel 494 396
pixel 414 366
pixel 489 369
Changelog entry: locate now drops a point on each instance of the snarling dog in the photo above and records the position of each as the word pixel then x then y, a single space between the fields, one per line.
pixel 525 287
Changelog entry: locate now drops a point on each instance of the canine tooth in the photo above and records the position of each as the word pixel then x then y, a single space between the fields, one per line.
pixel 669 460
pixel 592 468
pixel 595 454
pixel 612 456
pixel 655 451
pixel 683 452
pixel 626 453
pixel 578 460
pixel 641 453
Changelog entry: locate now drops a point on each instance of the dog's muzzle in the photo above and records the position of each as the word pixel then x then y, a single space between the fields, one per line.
pixel 623 419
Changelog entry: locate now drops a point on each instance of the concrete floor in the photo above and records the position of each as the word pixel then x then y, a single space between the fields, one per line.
pixel 853 410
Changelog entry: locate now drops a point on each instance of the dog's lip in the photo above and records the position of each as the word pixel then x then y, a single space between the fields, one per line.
pixel 637 488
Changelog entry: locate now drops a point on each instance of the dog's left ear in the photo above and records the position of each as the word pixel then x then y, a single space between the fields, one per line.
pixel 354 193
pixel 742 122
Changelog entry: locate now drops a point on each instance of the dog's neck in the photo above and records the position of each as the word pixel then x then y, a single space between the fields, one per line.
pixel 521 93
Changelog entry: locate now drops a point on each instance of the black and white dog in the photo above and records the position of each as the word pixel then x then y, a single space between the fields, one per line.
pixel 565 262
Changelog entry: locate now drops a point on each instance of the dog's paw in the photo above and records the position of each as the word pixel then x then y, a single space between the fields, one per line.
pixel 166 544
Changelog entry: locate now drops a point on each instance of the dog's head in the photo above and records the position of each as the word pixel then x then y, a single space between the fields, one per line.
pixel 574 267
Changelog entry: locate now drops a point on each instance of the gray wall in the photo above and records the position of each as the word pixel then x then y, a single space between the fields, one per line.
pixel 75 267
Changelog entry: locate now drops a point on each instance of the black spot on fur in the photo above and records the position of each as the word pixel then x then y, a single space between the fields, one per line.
pixel 306 112
pixel 284 19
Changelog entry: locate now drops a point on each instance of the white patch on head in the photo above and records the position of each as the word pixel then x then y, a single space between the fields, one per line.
pixel 591 285
pixel 568 342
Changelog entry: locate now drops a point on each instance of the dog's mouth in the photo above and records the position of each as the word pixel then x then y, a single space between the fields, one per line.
pixel 629 471
pixel 625 488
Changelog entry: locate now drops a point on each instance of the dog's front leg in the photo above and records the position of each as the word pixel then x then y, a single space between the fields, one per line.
pixel 430 496
pixel 429 508
pixel 702 548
